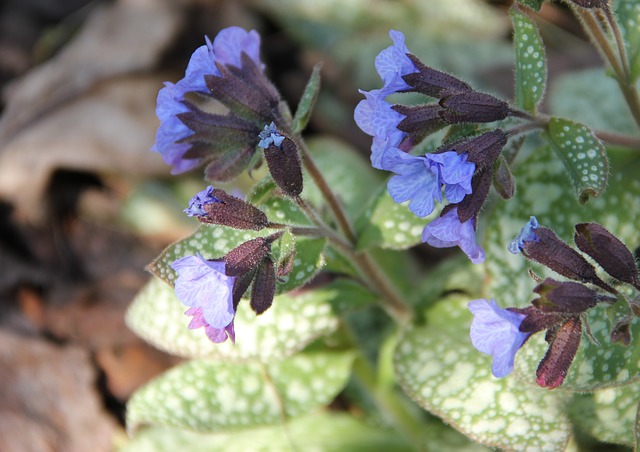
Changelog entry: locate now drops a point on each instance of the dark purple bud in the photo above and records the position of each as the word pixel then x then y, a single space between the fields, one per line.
pixel 568 297
pixel 284 164
pixel 286 265
pixel 420 121
pixel 608 251
pixel 240 286
pixel 246 91
pixel 246 257
pixel 621 333
pixel 432 82
pixel 503 180
pixel 538 320
pixel 214 206
pixel 483 150
pixel 470 206
pixel 552 252
pixel 590 3
pixel 472 107
pixel 563 346
pixel 264 287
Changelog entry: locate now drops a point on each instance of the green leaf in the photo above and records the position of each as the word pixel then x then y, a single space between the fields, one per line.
pixel 288 326
pixel 325 431
pixel 543 193
pixel 583 155
pixel 531 69
pixel 628 12
pixel 533 4
pixel 386 224
pixel 609 414
pixel 437 367
pixel 350 176
pixel 574 95
pixel 308 100
pixel 210 396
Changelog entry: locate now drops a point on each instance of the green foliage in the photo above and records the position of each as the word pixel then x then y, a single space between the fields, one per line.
pixel 334 431
pixel 583 155
pixel 307 101
pixel 533 4
pixel 628 13
pixel 531 69
pixel 288 326
pixel 209 396
pixel 437 366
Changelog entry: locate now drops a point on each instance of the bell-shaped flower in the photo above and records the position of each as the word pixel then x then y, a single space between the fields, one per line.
pixel 495 331
pixel 447 231
pixel 203 286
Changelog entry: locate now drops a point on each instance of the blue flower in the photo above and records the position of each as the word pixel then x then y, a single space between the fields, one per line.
pixel 393 63
pixel 420 179
pixel 270 135
pixel 203 286
pixel 527 234
pixel 447 231
pixel 496 331
pixel 197 202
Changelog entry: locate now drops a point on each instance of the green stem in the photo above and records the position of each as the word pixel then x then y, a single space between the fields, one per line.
pixel 622 51
pixel 404 417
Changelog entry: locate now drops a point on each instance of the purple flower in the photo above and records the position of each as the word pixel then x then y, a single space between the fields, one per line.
pixel 393 63
pixel 204 286
pixel 496 331
pixel 525 235
pixel 270 135
pixel 447 230
pixel 197 203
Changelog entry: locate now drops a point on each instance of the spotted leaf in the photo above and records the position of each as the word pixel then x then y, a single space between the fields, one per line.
pixel 289 325
pixel 437 367
pixel 531 68
pixel 209 396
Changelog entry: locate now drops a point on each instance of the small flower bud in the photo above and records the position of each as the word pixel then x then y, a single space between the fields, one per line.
pixel 471 205
pixel 568 297
pixel 590 3
pixel 538 320
pixel 281 154
pixel 503 180
pixel 246 257
pixel 484 149
pixel 264 287
pixel 432 82
pixel 608 251
pixel 420 121
pixel 214 206
pixel 621 333
pixel 564 343
pixel 472 107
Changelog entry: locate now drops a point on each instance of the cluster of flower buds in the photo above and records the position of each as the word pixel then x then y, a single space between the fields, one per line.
pixel 463 169
pixel 212 289
pixel 560 305
pixel 230 72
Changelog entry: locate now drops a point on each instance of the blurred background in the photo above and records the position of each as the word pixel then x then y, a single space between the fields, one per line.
pixel 84 205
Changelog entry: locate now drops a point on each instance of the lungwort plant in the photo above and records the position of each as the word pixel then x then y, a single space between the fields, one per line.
pixel 303 326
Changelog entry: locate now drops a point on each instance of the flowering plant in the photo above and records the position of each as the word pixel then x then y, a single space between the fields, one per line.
pixel 294 297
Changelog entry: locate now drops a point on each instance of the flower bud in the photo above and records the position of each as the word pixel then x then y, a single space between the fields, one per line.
pixel 281 154
pixel 264 287
pixel 564 343
pixel 420 121
pixel 246 257
pixel 214 206
pixel 568 297
pixel 432 82
pixel 608 251
pixel 471 205
pixel 472 107
pixel 590 3
pixel 621 333
pixel 484 149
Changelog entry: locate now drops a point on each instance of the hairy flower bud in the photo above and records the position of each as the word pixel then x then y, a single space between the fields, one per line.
pixel 564 343
pixel 484 149
pixel 568 297
pixel 472 107
pixel 420 121
pixel 608 251
pixel 590 3
pixel 471 205
pixel 246 257
pixel 281 154
pixel 621 333
pixel 432 82
pixel 264 287
pixel 214 206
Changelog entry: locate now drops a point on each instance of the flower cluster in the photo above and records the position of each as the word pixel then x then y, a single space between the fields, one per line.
pixel 229 71
pixel 560 305
pixel 461 169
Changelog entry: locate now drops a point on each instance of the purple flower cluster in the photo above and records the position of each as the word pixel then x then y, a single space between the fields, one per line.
pixel 396 129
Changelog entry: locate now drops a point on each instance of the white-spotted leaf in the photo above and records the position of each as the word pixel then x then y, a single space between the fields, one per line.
pixel 609 414
pixel 209 396
pixel 437 366
pixel 286 327
pixel 583 155
pixel 325 431
pixel 386 224
pixel 531 68
pixel 533 4
pixel 544 193
pixel 628 14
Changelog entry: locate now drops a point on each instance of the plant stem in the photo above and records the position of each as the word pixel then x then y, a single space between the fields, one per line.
pixel 618 139
pixel 622 51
